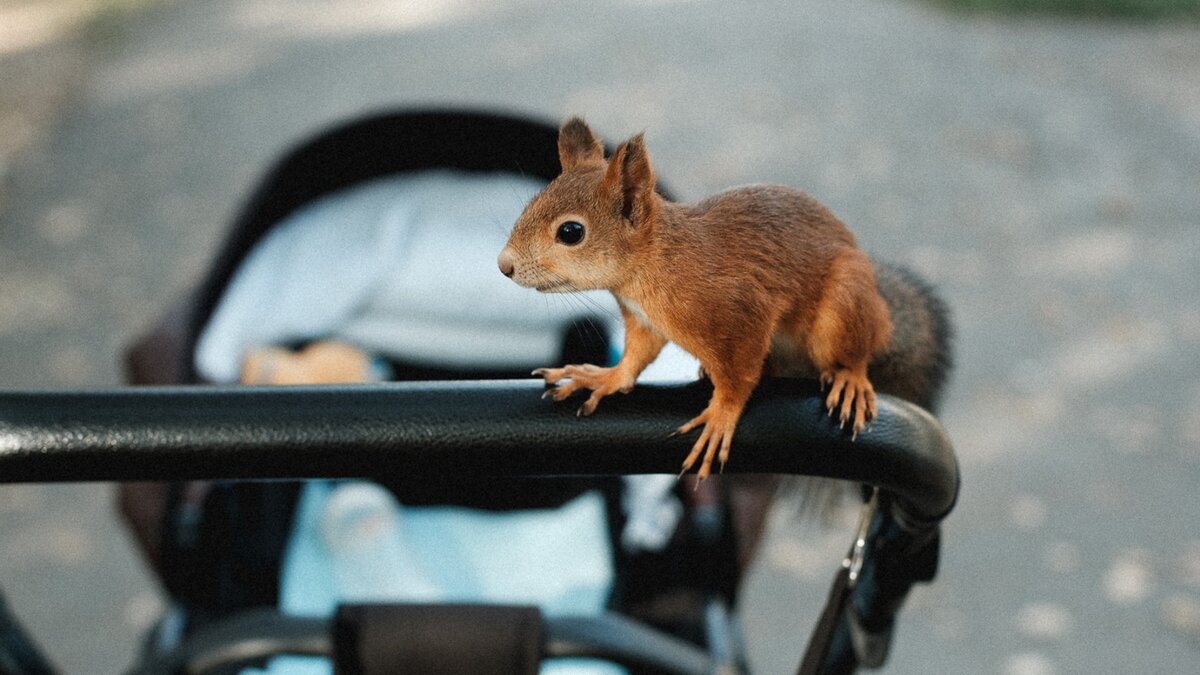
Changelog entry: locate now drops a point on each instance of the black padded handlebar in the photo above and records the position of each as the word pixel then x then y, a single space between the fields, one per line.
pixel 495 427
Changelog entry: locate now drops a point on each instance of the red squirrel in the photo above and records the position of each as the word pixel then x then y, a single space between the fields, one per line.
pixel 754 278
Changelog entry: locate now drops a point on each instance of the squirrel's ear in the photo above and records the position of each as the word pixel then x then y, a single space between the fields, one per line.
pixel 630 178
pixel 577 145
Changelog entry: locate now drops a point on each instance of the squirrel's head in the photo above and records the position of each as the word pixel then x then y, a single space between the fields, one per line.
pixel 580 232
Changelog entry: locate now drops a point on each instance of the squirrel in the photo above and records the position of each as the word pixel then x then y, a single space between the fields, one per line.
pixel 754 280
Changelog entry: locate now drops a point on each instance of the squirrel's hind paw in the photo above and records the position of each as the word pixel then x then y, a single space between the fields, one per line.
pixel 852 396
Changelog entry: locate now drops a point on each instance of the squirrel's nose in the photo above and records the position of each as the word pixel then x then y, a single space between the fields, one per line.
pixel 506 263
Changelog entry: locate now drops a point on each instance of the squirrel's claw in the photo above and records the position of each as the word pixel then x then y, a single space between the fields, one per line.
pixel 825 380
pixel 589 406
pixel 551 375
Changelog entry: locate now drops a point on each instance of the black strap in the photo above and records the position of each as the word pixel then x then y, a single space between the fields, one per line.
pixel 822 639
pixel 829 650
pixel 888 556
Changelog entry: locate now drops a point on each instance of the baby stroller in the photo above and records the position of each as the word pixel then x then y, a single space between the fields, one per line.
pixel 254 567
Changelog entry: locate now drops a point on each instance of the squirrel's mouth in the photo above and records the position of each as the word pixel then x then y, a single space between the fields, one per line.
pixel 554 287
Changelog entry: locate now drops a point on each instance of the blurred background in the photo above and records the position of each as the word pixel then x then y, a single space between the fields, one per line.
pixel 1037 160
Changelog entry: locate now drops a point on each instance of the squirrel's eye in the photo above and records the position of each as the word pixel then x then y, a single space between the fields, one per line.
pixel 570 233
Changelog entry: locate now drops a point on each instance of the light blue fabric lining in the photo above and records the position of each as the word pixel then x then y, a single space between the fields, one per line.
pixel 353 542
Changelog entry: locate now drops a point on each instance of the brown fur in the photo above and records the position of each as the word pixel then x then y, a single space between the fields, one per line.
pixel 752 273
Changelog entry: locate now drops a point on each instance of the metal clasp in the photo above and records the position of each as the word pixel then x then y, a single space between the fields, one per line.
pixel 858 551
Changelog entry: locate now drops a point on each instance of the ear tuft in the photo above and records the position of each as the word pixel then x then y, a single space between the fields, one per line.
pixel 639 174
pixel 631 176
pixel 577 145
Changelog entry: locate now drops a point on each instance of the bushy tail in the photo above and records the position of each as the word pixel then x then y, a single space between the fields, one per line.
pixel 917 362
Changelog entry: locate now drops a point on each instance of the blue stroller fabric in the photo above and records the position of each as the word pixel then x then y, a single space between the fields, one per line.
pixel 352 542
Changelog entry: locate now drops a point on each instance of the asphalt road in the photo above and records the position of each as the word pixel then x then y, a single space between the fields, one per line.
pixel 1045 175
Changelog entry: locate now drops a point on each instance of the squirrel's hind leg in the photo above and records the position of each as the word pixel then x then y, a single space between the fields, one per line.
pixel 850 326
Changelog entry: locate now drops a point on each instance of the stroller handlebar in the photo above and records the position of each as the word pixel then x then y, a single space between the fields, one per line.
pixel 469 427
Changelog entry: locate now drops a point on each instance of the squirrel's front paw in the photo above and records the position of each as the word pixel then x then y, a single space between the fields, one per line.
pixel 851 394
pixel 601 382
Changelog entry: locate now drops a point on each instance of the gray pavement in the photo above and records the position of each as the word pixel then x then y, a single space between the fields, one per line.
pixel 1044 174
